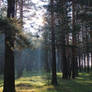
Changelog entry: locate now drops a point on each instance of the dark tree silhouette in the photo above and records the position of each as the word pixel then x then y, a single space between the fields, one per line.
pixel 9 73
pixel 54 76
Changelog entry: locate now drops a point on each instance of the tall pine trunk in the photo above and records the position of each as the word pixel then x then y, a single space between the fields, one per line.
pixel 9 76
pixel 74 61
pixel 9 71
pixel 21 12
pixel 54 76
pixel 91 60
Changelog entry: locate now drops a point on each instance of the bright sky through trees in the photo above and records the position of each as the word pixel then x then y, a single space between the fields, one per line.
pixel 34 17
pixel 33 14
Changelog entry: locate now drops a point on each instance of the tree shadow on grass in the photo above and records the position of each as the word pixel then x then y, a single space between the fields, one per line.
pixel 82 83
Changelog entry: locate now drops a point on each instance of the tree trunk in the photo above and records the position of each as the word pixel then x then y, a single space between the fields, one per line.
pixel 74 62
pixel 9 74
pixel 91 60
pixel 88 62
pixel 54 76
pixel 84 62
pixel 21 12
pixel 9 69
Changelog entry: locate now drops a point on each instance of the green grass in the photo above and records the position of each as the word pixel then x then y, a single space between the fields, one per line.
pixel 1 83
pixel 34 82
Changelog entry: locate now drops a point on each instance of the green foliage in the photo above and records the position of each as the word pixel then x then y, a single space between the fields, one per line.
pixel 85 17
pixel 85 2
pixel 6 26
pixel 11 27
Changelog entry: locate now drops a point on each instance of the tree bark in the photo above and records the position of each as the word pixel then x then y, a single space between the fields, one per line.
pixel 9 69
pixel 74 62
pixel 54 76
pixel 9 74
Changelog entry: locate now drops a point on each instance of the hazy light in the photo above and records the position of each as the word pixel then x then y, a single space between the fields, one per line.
pixel 34 18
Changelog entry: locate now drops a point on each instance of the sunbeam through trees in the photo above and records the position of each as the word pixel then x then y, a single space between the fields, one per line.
pixel 45 46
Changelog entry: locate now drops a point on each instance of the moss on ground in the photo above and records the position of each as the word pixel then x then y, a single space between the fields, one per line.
pixel 32 82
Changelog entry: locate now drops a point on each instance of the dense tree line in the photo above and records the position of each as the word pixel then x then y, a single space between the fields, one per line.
pixel 72 35
pixel 67 39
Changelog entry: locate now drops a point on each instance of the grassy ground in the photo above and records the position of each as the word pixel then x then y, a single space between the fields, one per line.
pixel 41 83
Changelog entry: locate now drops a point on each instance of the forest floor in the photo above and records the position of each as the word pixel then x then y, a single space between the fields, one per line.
pixel 32 82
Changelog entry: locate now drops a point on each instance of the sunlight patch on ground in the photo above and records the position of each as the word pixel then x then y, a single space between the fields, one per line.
pixel 31 82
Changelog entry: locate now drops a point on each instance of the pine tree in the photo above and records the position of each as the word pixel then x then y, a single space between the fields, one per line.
pixel 54 76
